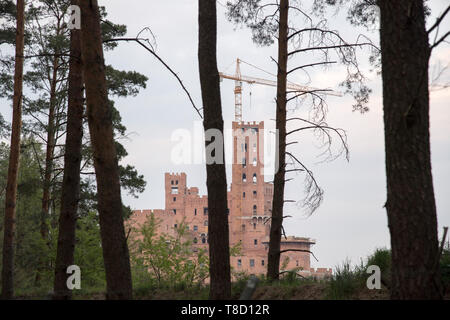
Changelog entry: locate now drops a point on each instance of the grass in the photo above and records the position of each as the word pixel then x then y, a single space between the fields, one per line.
pixel 345 282
pixel 348 282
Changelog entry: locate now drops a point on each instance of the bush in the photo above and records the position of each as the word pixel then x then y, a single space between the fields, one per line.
pixel 382 258
pixel 445 268
pixel 346 281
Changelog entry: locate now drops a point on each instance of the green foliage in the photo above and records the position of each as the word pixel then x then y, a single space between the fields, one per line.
pixel 250 13
pixel 124 83
pixel 7 21
pixel 30 248
pixel 88 251
pixel 131 181
pixel 445 267
pixel 163 260
pixel 346 281
pixel 110 30
pixel 382 258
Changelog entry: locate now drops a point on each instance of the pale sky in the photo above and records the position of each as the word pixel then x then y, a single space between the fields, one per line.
pixel 351 222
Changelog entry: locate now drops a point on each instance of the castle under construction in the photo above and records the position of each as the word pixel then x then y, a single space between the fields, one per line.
pixel 249 210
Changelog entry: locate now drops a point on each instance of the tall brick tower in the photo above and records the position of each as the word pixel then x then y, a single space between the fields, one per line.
pixel 250 196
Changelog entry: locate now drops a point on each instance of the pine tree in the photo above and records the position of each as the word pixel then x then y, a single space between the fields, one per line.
pixel 11 189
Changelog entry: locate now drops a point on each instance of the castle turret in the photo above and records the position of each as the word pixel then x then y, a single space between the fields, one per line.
pixel 175 187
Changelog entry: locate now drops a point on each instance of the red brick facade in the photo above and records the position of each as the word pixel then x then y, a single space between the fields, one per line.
pixel 249 203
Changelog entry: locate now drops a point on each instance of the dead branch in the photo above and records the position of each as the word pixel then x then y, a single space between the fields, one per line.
pixel 324 128
pixel 299 250
pixel 310 65
pixel 438 20
pixel 436 43
pixel 314 194
pixel 139 41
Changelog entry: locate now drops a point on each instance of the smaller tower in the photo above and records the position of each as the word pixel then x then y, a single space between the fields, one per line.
pixel 175 185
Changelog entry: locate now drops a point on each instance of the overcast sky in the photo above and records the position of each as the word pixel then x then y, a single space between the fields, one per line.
pixel 351 222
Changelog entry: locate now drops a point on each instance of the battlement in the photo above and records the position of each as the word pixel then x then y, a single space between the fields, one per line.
pixel 322 270
pixel 148 212
pixel 250 124
pixel 293 240
pixel 318 273
pixel 175 175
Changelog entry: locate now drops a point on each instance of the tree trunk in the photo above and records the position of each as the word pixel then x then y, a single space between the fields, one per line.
pixel 14 155
pixel 115 249
pixel 49 154
pixel 71 180
pixel 49 163
pixel 273 264
pixel 216 181
pixel 410 201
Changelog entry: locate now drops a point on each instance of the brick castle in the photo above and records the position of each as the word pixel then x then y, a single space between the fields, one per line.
pixel 249 209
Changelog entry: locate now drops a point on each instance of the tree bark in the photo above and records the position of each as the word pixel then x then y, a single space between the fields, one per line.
pixel 273 263
pixel 218 230
pixel 115 250
pixel 410 201
pixel 49 154
pixel 71 180
pixel 49 159
pixel 14 157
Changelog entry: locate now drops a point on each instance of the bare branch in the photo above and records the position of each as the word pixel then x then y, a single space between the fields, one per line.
pixel 331 47
pixel 439 19
pixel 311 65
pixel 299 250
pixel 162 61
pixel 436 43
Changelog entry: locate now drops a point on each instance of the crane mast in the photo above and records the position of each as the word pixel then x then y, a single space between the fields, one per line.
pixel 237 93
pixel 239 78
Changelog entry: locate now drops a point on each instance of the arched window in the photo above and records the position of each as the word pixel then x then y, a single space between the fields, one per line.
pixel 195 240
pixel 203 240
pixel 244 177
pixel 254 162
pixel 205 223
pixel 254 210
pixel 254 178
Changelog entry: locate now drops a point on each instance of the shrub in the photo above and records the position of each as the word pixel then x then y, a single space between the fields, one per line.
pixel 346 281
pixel 382 258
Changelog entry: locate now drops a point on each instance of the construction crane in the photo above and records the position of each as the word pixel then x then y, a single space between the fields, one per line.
pixel 239 78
